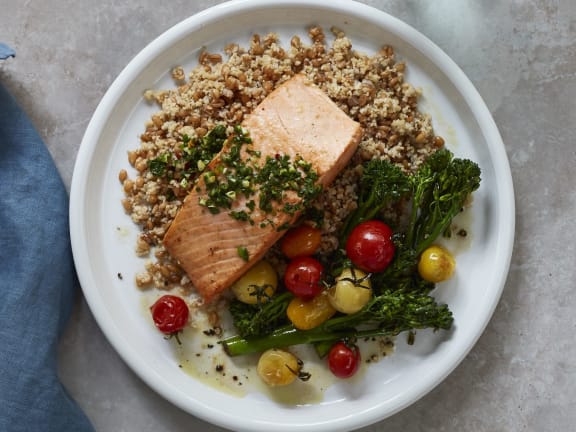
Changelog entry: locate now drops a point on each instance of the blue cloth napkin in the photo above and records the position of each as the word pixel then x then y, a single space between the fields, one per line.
pixel 6 51
pixel 37 280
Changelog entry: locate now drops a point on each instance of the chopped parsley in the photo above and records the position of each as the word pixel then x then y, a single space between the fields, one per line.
pixel 241 173
pixel 158 166
pixel 191 158
pixel 280 174
pixel 243 253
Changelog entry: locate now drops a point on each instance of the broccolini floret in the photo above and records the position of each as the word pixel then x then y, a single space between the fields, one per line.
pixel 381 184
pixel 261 318
pixel 440 189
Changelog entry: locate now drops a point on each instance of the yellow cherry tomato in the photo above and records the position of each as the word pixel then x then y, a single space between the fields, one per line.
pixel 436 264
pixel 351 292
pixel 278 367
pixel 307 314
pixel 300 241
pixel 257 284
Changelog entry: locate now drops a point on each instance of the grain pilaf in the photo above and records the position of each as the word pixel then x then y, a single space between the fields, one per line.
pixel 370 89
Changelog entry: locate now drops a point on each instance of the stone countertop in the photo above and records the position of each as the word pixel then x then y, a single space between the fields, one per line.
pixel 520 55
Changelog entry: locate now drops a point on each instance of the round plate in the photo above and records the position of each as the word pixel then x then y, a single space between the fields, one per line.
pixel 103 237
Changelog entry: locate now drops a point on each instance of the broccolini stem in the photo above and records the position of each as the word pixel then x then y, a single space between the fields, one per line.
pixel 385 315
pixel 431 238
pixel 289 335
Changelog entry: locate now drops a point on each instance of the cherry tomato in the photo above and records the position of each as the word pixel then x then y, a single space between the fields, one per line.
pixel 370 246
pixel 306 313
pixel 170 314
pixel 278 367
pixel 300 241
pixel 352 291
pixel 303 276
pixel 343 359
pixel 257 285
pixel 436 264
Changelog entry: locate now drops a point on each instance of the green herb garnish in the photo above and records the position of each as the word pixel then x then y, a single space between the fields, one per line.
pixel 280 174
pixel 243 253
pixel 191 157
pixel 158 166
pixel 240 173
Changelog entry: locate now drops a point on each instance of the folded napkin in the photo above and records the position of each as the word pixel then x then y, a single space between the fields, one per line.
pixel 37 280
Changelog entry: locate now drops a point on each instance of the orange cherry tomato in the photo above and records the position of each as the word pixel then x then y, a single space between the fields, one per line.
pixel 300 241
pixel 306 314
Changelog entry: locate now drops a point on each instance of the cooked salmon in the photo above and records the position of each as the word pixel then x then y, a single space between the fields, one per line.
pixel 297 119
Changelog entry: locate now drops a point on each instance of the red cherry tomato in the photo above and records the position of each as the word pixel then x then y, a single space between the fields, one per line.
pixel 170 314
pixel 300 241
pixel 370 246
pixel 303 276
pixel 343 359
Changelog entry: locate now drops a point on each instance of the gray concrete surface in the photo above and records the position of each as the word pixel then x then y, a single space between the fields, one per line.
pixel 521 56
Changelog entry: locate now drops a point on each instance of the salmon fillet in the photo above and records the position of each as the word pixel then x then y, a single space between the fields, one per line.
pixel 296 119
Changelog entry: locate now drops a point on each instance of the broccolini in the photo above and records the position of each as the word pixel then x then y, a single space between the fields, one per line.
pixel 402 302
pixel 385 315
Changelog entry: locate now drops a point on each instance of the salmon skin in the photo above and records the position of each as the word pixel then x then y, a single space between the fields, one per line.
pixel 297 120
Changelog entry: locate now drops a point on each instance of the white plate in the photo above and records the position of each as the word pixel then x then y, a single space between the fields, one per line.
pixel 103 239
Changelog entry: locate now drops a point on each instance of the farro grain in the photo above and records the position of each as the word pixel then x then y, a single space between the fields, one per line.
pixel 370 89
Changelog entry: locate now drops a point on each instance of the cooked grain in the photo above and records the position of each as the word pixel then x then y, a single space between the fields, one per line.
pixel 370 89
